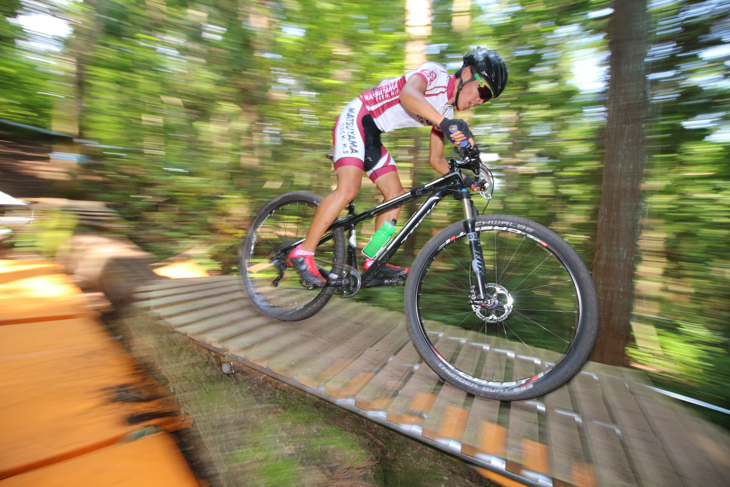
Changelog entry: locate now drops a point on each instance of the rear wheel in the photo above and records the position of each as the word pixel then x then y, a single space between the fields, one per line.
pixel 532 332
pixel 275 289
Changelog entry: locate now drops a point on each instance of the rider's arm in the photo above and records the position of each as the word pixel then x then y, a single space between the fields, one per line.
pixel 413 98
pixel 436 153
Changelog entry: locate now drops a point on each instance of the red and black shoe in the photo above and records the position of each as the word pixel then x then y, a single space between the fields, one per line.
pixel 304 264
pixel 389 271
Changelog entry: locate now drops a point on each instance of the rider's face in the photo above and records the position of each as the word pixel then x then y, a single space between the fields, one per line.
pixel 470 96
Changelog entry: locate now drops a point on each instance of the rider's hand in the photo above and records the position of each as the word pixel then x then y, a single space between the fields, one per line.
pixel 456 131
pixel 475 184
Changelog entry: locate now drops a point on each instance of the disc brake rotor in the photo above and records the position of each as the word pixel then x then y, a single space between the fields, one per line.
pixel 496 307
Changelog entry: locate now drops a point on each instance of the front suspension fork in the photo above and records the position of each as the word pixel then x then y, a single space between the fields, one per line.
pixel 477 262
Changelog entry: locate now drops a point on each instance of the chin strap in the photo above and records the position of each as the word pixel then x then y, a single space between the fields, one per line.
pixel 458 91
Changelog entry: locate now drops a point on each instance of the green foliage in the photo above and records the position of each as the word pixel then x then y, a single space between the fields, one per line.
pixel 203 111
pixel 22 97
pixel 682 280
pixel 47 234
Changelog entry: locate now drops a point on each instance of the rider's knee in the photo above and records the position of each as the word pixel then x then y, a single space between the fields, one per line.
pixel 345 194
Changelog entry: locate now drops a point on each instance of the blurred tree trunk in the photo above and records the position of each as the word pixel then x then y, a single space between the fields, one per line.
pixel 260 18
pixel 618 218
pixel 418 28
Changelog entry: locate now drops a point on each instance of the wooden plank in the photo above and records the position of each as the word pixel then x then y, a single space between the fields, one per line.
pixel 296 335
pixel 221 337
pixel 151 289
pixel 59 382
pixel 347 322
pixel 316 373
pixel 676 434
pixel 711 440
pixel 483 433
pixel 568 461
pixel 246 318
pixel 645 450
pixel 484 437
pixel 448 417
pixel 236 306
pixel 13 270
pixel 163 288
pixel 606 449
pixel 178 303
pixel 150 461
pixel 416 398
pixel 414 401
pixel 200 300
pixel 382 389
pixel 356 375
pixel 241 336
pixel 524 448
pixel 46 297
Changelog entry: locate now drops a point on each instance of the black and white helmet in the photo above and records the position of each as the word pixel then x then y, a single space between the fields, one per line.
pixel 490 66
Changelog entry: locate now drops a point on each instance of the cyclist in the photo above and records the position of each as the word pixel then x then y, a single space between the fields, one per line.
pixel 425 96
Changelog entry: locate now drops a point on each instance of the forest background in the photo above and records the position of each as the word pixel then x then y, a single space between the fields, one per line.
pixel 191 114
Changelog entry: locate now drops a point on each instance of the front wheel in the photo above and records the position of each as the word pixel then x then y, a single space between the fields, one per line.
pixel 529 335
pixel 274 288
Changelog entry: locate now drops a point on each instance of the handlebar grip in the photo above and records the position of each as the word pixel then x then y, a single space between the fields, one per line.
pixel 453 129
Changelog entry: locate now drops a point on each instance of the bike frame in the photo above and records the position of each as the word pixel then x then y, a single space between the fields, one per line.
pixel 437 190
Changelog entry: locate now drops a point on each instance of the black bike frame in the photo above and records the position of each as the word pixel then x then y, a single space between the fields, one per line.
pixel 437 190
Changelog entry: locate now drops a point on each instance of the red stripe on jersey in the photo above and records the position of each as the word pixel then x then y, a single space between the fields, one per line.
pixel 380 110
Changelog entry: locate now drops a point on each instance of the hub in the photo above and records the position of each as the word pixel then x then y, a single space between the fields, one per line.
pixel 496 307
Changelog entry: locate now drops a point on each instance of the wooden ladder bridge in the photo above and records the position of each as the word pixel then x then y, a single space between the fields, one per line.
pixel 606 427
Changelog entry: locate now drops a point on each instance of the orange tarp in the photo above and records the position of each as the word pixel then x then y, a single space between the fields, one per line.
pixel 41 298
pixel 60 382
pixel 70 393
pixel 152 461
pixel 12 270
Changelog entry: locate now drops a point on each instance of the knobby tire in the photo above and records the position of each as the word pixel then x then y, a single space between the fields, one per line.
pixel 282 221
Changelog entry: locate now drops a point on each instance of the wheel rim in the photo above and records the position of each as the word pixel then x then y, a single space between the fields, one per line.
pixel 265 258
pixel 523 328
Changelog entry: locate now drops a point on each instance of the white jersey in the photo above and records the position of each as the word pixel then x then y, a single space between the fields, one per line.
pixel 384 106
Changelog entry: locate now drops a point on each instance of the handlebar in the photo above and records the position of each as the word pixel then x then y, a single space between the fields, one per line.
pixel 469 159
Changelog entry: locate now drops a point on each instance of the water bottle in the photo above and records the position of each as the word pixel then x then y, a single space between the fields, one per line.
pixel 379 239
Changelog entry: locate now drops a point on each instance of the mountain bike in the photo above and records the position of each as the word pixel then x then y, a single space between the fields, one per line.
pixel 497 305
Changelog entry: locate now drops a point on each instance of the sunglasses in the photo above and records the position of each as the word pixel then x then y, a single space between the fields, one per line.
pixel 485 91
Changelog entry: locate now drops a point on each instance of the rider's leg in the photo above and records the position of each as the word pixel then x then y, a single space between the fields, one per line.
pixel 389 184
pixel 349 179
pixel 302 256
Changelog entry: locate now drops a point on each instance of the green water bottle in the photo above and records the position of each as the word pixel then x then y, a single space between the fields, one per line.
pixel 379 239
